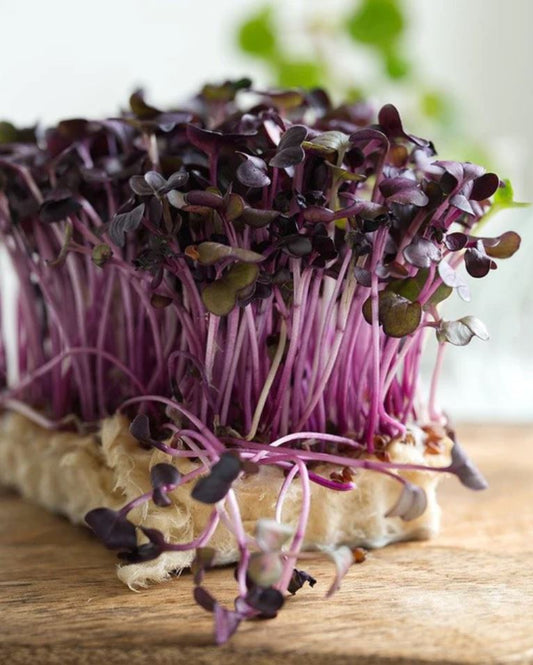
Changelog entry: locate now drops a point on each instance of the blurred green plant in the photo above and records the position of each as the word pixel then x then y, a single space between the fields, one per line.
pixel 374 30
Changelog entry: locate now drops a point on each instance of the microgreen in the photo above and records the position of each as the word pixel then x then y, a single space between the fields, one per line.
pixel 250 286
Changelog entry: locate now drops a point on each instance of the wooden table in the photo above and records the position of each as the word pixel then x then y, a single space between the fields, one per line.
pixel 466 597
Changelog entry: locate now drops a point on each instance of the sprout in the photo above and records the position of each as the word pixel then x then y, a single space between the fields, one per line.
pixel 257 281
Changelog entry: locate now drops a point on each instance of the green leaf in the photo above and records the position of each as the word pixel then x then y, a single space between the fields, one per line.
pixel 396 66
pixel 256 35
pixel 436 106
pixel 212 252
pixel 241 275
pixel 398 315
pixel 504 195
pixel 8 132
pixel 11 134
pixel 140 108
pixel 503 199
pixel 59 260
pixel 220 296
pixel 101 254
pixel 298 73
pixel 442 292
pixel 502 247
pixel 411 287
pixel 234 207
pixel 286 99
pixel 342 174
pixel 376 23
pixel 328 144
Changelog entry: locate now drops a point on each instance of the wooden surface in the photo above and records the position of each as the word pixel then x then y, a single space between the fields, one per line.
pixel 466 597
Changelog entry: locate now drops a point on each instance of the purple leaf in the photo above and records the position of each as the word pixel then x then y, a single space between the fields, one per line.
pixel 227 468
pixel 204 199
pixel 139 185
pixel 214 487
pixel 455 169
pixel 58 207
pixel 155 181
pixel 484 187
pixel 204 139
pixel 465 470
pixel 176 180
pixel 166 122
pixel 123 223
pixel 266 601
pixel 477 263
pixel 460 202
pixel 455 241
pixel 422 253
pixel 288 157
pixel 317 214
pixel 204 599
pixel 293 137
pixel 253 172
pixel 362 137
pixel 140 554
pixel 297 245
pixel 298 579
pixel 140 428
pixel 146 551
pixel 390 121
pixel 411 503
pixel 403 190
pixel 210 490
pixel 112 528
pixel 226 623
pixel 363 276
pixel 289 151
pixel 163 474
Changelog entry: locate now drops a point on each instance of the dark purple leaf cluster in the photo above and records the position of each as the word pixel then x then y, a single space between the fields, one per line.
pixel 214 487
pixel 216 207
pixel 254 267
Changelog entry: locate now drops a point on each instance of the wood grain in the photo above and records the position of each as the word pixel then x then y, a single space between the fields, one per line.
pixel 465 597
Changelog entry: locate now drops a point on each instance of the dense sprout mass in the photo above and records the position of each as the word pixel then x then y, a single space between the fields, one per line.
pixel 253 274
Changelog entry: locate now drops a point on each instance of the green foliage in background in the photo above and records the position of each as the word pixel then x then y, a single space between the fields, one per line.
pixel 376 25
pixel 374 29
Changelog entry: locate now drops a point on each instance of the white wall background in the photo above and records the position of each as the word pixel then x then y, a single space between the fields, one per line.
pixel 63 58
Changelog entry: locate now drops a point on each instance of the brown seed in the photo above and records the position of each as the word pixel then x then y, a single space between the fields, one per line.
pixel 359 554
pixel 433 447
pixel 347 474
